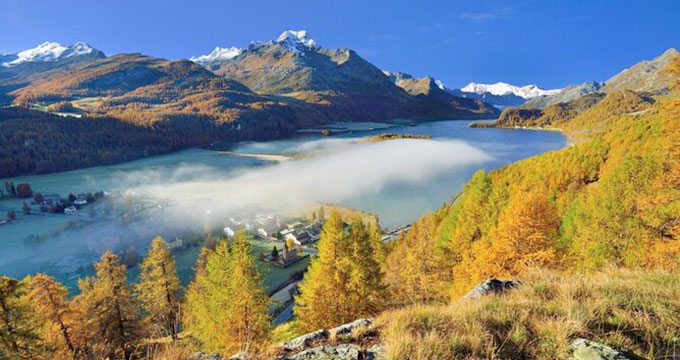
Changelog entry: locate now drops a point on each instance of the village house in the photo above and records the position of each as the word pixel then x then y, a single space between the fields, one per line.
pixel 262 233
pixel 229 232
pixel 295 225
pixel 299 237
pixel 81 199
pixel 175 244
pixel 314 231
pixel 50 199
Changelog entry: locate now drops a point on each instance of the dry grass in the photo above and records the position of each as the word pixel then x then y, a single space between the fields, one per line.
pixel 170 351
pixel 634 310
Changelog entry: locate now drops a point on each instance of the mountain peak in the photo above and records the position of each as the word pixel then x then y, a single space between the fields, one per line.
pixel 50 51
pixel 218 54
pixel 296 37
pixel 296 40
pixel 501 88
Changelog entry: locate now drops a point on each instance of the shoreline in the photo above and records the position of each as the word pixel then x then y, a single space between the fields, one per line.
pixel 483 125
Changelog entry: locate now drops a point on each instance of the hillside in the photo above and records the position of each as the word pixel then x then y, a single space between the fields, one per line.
pixel 644 76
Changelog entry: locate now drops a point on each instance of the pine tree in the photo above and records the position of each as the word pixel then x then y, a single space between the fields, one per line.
pixel 226 304
pixel 61 324
pixel 159 289
pixel 18 338
pixel 111 310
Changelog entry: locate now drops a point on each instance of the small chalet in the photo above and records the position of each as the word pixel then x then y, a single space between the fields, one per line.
pixel 81 199
pixel 50 199
pixel 175 244
pixel 229 232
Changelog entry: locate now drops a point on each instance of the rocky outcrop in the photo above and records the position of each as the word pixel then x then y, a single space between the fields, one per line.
pixel 336 343
pixel 582 349
pixel 306 340
pixel 343 352
pixel 348 328
pixel 206 356
pixel 489 287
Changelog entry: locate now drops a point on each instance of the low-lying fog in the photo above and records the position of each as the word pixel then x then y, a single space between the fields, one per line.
pixel 337 171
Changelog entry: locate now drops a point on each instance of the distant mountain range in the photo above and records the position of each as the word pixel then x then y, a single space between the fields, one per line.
pixel 264 91
pixel 625 91
pixel 645 76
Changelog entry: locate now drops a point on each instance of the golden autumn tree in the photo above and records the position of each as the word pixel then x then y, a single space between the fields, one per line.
pixel 159 289
pixel 323 301
pixel 18 336
pixel 414 270
pixel 366 284
pixel 248 315
pixel 60 322
pixel 111 310
pixel 524 237
pixel 227 307
pixel 206 296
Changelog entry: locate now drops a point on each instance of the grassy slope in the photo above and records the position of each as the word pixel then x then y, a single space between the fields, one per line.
pixel 635 310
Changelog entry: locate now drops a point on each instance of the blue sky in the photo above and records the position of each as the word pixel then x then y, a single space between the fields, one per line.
pixel 551 43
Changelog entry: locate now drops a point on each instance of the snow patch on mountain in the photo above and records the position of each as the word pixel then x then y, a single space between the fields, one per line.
pixel 219 54
pixel 50 51
pixel 501 88
pixel 296 40
pixel 439 84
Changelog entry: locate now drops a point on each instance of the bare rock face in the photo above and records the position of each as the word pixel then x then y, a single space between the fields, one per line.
pixel 489 287
pixel 582 349
pixel 340 352
pixel 205 356
pixel 304 341
pixel 323 344
pixel 348 328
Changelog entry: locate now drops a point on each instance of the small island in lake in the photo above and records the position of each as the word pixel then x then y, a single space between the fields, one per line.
pixel 393 136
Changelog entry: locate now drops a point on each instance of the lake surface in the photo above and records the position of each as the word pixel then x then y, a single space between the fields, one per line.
pixel 341 169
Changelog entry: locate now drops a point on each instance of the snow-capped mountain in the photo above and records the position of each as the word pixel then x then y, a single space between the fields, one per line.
pixel 501 88
pixel 292 39
pixel 48 52
pixel 219 54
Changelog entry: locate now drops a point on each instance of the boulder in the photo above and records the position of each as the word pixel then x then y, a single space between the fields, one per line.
pixel 493 286
pixel 305 340
pixel 340 352
pixel 205 356
pixel 348 328
pixel 582 349
pixel 375 352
